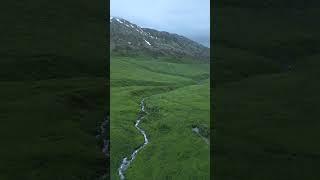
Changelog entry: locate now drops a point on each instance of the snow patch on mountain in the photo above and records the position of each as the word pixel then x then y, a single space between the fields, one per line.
pixel 119 21
pixel 147 42
pixel 128 37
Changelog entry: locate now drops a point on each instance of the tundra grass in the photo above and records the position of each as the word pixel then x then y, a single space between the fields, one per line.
pixel 175 151
pixel 266 102
pixel 48 130
pixel 173 88
pixel 266 126
pixel 53 89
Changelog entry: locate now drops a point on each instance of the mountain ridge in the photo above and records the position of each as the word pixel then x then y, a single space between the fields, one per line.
pixel 127 38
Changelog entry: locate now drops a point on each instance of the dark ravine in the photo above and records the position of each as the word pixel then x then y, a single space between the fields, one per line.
pixel 103 138
pixel 105 145
pixel 125 161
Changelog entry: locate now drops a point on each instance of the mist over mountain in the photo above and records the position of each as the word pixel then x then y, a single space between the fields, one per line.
pixel 129 38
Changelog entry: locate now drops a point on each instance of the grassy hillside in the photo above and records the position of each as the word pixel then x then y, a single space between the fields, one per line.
pixel 53 89
pixel 177 100
pixel 265 71
pixel 48 129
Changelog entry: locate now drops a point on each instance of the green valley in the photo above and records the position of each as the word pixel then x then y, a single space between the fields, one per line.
pixel 176 97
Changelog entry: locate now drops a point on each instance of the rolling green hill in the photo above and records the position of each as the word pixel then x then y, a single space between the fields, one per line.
pixel 53 89
pixel 177 100
pixel 265 69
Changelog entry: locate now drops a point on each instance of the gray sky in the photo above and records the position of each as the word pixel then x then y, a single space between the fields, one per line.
pixel 190 18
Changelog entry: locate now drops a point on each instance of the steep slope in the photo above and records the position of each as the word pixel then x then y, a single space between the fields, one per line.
pixel 129 38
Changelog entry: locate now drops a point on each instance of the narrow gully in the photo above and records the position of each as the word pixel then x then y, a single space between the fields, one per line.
pixel 103 138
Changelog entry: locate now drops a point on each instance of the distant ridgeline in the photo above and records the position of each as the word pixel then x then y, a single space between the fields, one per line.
pixel 130 39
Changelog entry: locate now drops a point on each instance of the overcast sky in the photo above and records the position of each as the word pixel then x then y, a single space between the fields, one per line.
pixel 190 18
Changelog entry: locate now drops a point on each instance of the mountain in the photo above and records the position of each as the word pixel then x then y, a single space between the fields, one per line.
pixel 129 38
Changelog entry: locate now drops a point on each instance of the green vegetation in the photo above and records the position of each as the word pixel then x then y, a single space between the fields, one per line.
pixel 265 99
pixel 48 129
pixel 53 89
pixel 177 99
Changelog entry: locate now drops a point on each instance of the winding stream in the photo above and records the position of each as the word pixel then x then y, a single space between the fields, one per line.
pixel 125 161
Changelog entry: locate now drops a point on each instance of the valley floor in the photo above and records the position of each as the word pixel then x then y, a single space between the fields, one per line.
pixel 177 100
